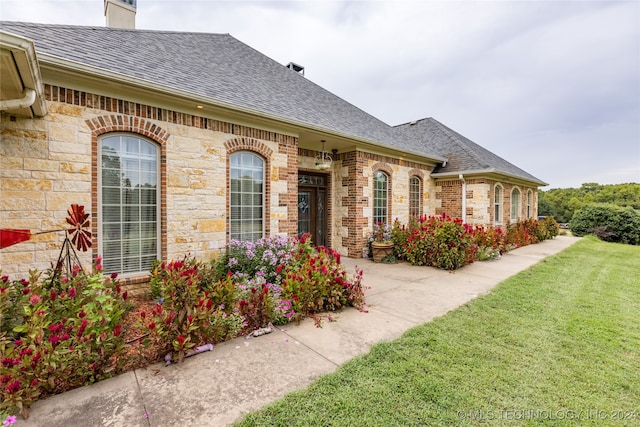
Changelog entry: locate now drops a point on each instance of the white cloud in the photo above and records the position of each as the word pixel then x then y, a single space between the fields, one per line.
pixel 522 78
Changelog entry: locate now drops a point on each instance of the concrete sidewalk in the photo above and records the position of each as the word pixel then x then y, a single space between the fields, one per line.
pixel 216 388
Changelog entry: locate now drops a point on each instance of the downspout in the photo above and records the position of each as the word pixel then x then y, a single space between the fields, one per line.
pixel 27 100
pixel 464 198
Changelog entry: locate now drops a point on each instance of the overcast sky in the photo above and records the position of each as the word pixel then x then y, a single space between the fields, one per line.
pixel 551 86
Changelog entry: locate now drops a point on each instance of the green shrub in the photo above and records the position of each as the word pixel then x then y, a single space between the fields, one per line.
pixel 262 257
pixel 440 242
pixel 191 311
pixel 550 227
pixel 315 282
pixel 58 334
pixel 448 243
pixel 609 222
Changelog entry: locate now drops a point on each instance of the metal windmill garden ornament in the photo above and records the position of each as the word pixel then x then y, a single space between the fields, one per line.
pixel 78 236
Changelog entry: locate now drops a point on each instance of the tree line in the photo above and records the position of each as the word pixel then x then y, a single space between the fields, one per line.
pixel 562 203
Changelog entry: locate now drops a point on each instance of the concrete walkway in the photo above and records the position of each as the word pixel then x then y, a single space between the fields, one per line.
pixel 216 388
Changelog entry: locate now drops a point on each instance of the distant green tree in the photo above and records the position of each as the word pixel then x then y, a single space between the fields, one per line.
pixel 545 207
pixel 562 203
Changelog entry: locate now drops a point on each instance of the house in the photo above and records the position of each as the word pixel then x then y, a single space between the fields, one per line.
pixel 178 142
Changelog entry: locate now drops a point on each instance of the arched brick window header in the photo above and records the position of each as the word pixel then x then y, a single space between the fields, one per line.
pixel 382 167
pixel 249 144
pixel 416 172
pixel 117 123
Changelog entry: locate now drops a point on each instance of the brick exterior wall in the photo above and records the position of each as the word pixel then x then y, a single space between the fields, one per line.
pixel 354 196
pixel 50 162
pixel 480 200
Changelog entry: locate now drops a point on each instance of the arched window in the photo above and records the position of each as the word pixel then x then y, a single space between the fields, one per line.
pixel 497 204
pixel 246 216
pixel 529 203
pixel 415 196
pixel 380 197
pixel 515 205
pixel 129 208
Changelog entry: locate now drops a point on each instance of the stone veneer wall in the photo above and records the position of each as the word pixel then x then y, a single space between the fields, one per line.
pixel 50 162
pixel 479 200
pixel 354 196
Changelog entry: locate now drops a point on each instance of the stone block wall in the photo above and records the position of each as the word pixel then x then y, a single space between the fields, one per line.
pixel 50 162
pixel 354 196
pixel 480 200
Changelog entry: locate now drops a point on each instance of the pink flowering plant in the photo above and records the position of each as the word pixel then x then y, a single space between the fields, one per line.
pixel 272 286
pixel 57 334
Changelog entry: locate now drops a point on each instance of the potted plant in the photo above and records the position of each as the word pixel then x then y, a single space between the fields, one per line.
pixel 381 241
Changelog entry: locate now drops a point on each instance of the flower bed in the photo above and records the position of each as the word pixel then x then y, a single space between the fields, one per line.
pixel 448 243
pixel 56 335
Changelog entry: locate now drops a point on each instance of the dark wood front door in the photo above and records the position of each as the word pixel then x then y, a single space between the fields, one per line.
pixel 312 207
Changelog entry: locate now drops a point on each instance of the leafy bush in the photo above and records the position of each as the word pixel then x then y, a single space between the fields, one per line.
pixel 448 243
pixel 191 311
pixel 260 258
pixel 440 242
pixel 399 235
pixel 281 279
pixel 611 222
pixel 550 227
pixel 315 282
pixel 58 334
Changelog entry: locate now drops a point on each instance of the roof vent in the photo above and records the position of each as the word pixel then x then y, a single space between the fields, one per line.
pixel 120 13
pixel 296 67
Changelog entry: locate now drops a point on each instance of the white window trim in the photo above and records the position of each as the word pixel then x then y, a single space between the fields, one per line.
pixel 498 220
pixel 515 213
pixel 411 192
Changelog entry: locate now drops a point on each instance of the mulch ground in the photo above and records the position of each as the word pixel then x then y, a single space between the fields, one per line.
pixel 137 354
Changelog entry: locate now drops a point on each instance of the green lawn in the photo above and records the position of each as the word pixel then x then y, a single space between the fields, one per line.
pixel 557 344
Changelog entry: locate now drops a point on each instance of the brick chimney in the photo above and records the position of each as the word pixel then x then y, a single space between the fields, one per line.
pixel 120 13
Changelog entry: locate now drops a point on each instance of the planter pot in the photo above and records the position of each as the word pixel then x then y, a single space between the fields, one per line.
pixel 381 250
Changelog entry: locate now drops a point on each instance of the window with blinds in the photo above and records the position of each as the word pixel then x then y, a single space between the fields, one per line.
pixel 415 196
pixel 129 204
pixel 246 216
pixel 497 204
pixel 380 197
pixel 515 204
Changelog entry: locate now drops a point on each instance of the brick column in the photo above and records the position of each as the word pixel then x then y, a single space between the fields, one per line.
pixel 355 201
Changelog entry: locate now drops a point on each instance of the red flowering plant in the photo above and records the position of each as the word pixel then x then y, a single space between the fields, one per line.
pixel 489 241
pixel 315 282
pixel 439 241
pixel 192 309
pixel 56 335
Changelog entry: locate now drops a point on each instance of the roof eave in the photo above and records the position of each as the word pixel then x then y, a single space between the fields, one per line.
pixel 22 64
pixel 76 67
pixel 490 172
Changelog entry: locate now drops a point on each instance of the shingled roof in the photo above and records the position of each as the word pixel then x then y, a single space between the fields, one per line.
pixel 222 70
pixel 463 155
pixel 216 67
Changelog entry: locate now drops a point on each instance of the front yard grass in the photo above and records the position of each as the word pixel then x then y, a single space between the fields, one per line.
pixel 557 344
